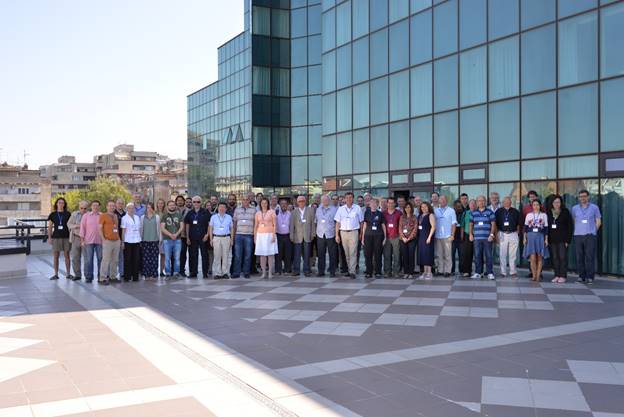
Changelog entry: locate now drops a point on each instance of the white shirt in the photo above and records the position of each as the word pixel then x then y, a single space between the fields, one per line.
pixel 349 218
pixel 131 226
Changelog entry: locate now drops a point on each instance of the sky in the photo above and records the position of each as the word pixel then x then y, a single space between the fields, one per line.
pixel 78 77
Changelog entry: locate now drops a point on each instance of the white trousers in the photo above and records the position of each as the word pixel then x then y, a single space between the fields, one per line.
pixel 508 249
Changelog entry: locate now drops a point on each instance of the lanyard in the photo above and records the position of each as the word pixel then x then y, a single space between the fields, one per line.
pixel 221 226
pixel 60 218
pixel 584 211
pixel 301 213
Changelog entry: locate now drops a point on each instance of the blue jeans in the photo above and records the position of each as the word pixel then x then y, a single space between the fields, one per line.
pixel 305 249
pixel 172 249
pixel 243 245
pixel 121 263
pixel 483 247
pixel 89 251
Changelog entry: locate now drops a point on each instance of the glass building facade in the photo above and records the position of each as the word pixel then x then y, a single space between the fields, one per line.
pixel 412 96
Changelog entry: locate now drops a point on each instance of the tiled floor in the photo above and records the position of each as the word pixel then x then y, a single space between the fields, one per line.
pixel 311 347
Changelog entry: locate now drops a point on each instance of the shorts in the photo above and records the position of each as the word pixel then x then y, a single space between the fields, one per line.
pixel 60 245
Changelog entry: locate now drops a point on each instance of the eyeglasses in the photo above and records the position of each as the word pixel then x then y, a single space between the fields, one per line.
pixel 198 202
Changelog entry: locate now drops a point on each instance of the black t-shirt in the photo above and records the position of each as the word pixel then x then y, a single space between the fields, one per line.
pixel 198 223
pixel 373 221
pixel 59 221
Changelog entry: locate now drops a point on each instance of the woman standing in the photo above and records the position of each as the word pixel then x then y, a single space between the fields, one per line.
pixel 407 236
pixel 559 237
pixel 466 248
pixel 150 239
pixel 426 230
pixel 536 239
pixel 265 237
pixel 131 226
pixel 58 236
pixel 373 238
pixel 161 206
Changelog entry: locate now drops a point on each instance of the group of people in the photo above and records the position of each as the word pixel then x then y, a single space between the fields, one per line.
pixel 400 237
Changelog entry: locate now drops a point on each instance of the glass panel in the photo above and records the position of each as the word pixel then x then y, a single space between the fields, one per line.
pixel 612 236
pixel 343 66
pixel 473 77
pixel 360 105
pixel 314 50
pixel 445 83
pixel 299 170
pixel 472 134
pixel 360 60
pixel 344 153
pixel 299 81
pixel 329 155
pixel 280 141
pixel 379 100
pixel 398 10
pixel 379 148
pixel 511 189
pixel 538 59
pixel 578 56
pixel 314 20
pixel 503 18
pixel 314 110
pixel 421 177
pixel 445 136
pixel 611 122
pixel 538 125
pixel 280 82
pixel 329 72
pixel 399 45
pixel 329 113
pixel 343 110
pixel 299 111
pixel 504 123
pixel 359 12
pixel 262 140
pixel 578 167
pixel 361 181
pixel 343 23
pixel 422 144
pixel 614 164
pixel 261 21
pixel 472 27
pixel 379 53
pixel 567 7
pixel 378 14
pixel 299 141
pixel 504 68
pixel 420 37
pixel 399 96
pixel 329 30
pixel 578 120
pixel 314 169
pixel 473 174
pixel 400 179
pixel 314 79
pixel 261 80
pixel 541 169
pixel 280 23
pixel 505 171
pixel 379 180
pixel 445 28
pixel 399 145
pixel 360 150
pixel 418 5
pixel 298 20
pixel 446 175
pixel 474 190
pixel 612 40
pixel 421 90
pixel 314 139
pixel 536 12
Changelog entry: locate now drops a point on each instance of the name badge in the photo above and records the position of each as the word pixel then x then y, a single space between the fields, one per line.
pixel 194 221
pixel 243 220
pixel 322 220
pixel 535 230
pixel 261 224
pixel 222 228
pixel 374 227
pixel 554 226
pixel 506 224
pixel 404 230
pixel 480 223
pixel 419 227
pixel 60 227
pixel 304 220
pixel 284 225
pixel 584 221
pixel 391 225
pixel 114 230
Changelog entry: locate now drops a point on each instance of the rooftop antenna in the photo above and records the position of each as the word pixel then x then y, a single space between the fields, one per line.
pixel 25 155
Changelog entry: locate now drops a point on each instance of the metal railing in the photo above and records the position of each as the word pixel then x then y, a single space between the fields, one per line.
pixel 18 236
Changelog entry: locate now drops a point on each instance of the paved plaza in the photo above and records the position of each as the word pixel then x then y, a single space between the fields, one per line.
pixel 310 347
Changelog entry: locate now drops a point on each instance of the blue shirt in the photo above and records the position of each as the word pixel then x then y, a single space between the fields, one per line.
pixel 445 219
pixel 585 219
pixel 221 225
pixel 140 210
pixel 349 218
pixel 325 224
pixel 482 223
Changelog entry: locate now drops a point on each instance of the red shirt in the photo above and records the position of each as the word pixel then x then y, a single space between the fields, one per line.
pixel 392 223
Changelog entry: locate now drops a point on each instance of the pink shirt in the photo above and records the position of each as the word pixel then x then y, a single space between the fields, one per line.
pixel 89 229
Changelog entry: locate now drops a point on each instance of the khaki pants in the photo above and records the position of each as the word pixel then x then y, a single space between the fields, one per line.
pixel 349 241
pixel 508 248
pixel 443 257
pixel 76 255
pixel 110 258
pixel 222 255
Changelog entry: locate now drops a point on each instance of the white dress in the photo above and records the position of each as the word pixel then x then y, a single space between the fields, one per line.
pixel 264 245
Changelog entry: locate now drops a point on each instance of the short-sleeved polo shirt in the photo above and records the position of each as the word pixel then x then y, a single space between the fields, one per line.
pixel 482 223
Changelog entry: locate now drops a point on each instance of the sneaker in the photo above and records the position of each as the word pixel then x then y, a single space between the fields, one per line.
pixel 590 281
pixel 580 280
pixel 476 276
pixel 70 276
pixel 162 275
pixel 54 278
pixel 491 277
pixel 76 278
pixel 555 279
pixel 465 275
pixel 428 277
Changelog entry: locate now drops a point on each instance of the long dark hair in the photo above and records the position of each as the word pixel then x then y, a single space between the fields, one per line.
pixel 56 204
pixel 408 204
pixel 552 198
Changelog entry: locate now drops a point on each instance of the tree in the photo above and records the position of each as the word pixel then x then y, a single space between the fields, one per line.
pixel 102 189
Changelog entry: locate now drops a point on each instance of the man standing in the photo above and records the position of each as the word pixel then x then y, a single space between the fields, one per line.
pixel 335 200
pixel 183 209
pixel 587 222
pixel 435 199
pixel 446 222
pixel 214 203
pixel 171 227
pixel 196 224
pixel 283 262
pixel 301 235
pixel 231 204
pixel 463 199
pixel 482 232
pixel 74 239
pixel 221 231
pixel 509 227
pixel 111 244
pixel 326 236
pixel 139 207
pixel 494 201
pixel 244 221
pixel 348 221
pixel 360 201
pixel 391 250
pixel 274 204
pixel 90 240
pixel 401 203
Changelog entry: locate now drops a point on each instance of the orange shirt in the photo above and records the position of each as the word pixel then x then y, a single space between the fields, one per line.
pixel 110 227
pixel 266 223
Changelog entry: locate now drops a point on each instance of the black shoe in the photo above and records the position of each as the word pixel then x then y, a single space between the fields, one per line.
pixel 162 275
pixel 193 276
pixel 105 282
pixel 54 277
pixel 205 276
pixel 235 276
pixel 446 275
pixel 307 274
pixel 352 276
pixel 367 275
pixel 378 275
pixel 320 274
pixel 346 274
pixel 135 279
pixel 183 274
pixel 70 276
pixel 89 280
pixel 332 275
pixel 226 276
pixel 247 276
pixel 76 278
pixel 295 274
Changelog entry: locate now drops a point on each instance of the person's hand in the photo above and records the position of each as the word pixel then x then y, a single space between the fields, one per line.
pixel 546 242
pixel 450 238
pixel 338 239
pixel 272 237
pixel 428 240
pixel 490 238
pixel 210 241
pixel 362 240
pixel 205 239
pixel 231 242
pixel 566 245
pixel 122 246
pixel 50 241
pixel 188 241
pixel 471 237
pixel 524 241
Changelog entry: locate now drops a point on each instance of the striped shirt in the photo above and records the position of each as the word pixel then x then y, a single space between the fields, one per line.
pixel 482 223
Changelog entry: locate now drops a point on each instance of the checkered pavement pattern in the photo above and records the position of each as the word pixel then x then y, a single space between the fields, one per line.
pixel 339 307
pixel 10 305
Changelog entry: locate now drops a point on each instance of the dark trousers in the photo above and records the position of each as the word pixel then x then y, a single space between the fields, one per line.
pixel 559 257
pixel 132 261
pixel 585 248
pixel 303 249
pixel 465 256
pixel 408 253
pixel 326 244
pixel 197 247
pixel 344 267
pixel 373 251
pixel 455 254
pixel 284 254
pixel 183 251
